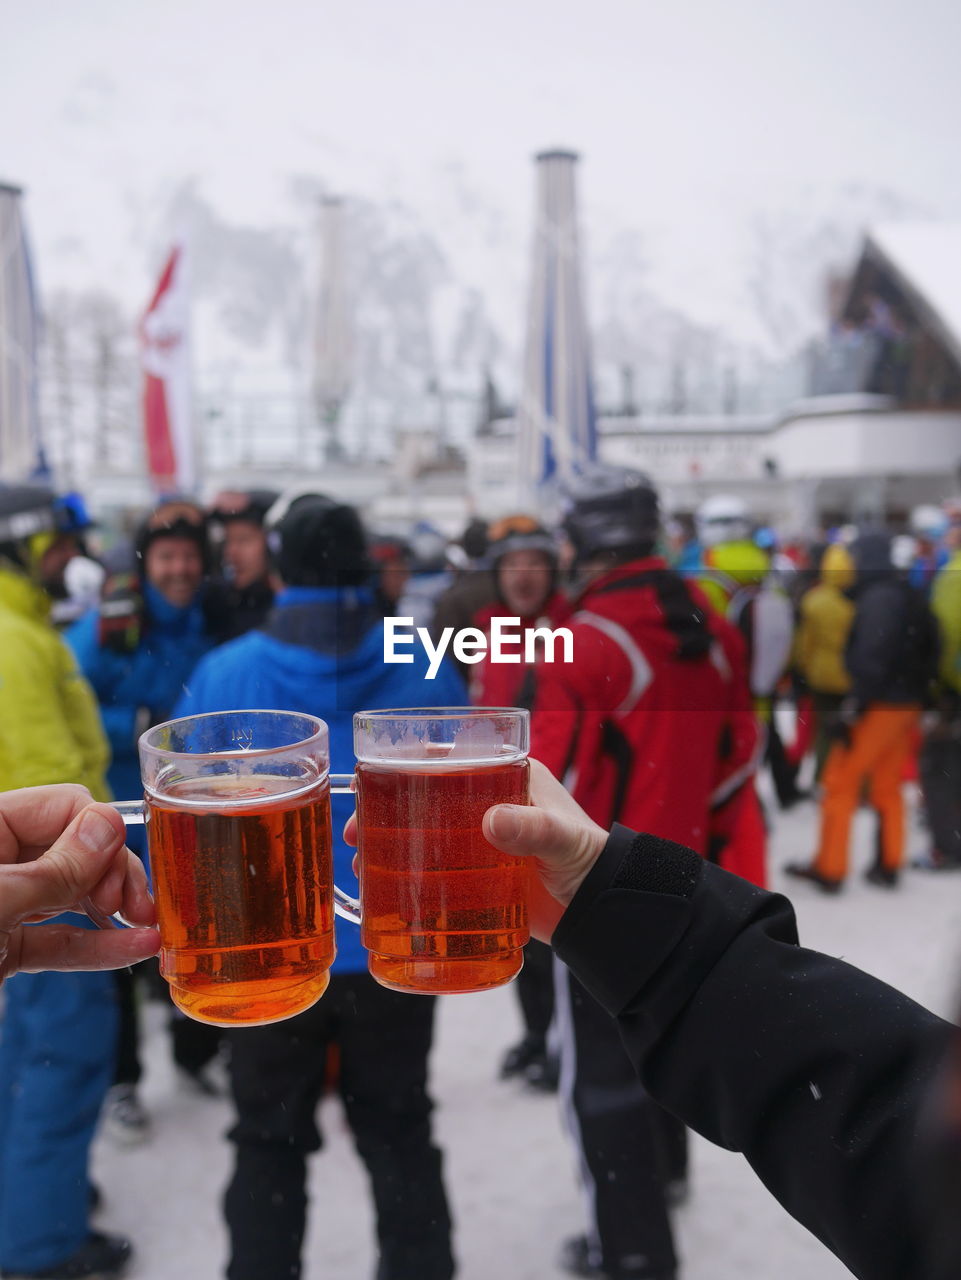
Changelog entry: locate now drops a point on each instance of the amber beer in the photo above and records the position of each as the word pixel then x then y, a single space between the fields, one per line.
pixel 243 894
pixel 443 910
pixel 239 835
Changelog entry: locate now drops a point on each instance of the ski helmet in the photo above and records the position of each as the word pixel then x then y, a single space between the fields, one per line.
pixel 612 509
pixel 723 518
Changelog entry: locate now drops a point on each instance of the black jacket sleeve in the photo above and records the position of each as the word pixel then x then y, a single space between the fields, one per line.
pixel 813 1069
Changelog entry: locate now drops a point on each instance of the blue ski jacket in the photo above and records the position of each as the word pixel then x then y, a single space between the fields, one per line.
pixel 151 676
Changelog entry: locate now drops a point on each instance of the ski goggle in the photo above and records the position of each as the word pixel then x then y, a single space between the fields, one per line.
pixel 509 525
pixel 169 515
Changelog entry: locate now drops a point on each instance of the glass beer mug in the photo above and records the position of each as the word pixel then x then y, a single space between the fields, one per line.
pixel 239 837
pixel 441 910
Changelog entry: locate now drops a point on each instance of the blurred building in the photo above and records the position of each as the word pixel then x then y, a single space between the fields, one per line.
pixel 878 432
pixel 689 455
pixel 881 430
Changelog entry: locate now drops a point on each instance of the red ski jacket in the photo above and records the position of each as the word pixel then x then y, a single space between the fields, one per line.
pixel 651 724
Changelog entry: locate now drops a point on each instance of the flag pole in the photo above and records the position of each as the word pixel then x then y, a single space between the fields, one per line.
pixel 556 426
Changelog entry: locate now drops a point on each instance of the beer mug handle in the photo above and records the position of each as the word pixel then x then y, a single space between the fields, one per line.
pixel 133 814
pixel 346 907
pixel 100 918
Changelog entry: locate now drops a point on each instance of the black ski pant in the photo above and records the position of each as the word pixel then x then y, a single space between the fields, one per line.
pixel 278 1074
pixel 827 708
pixel 618 1135
pixel 939 768
pixel 535 990
pixel 783 772
pixel 194 1044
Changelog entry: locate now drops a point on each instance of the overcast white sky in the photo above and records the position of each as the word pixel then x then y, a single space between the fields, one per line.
pixel 689 114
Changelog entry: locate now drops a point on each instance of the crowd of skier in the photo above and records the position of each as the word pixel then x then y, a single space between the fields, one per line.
pixel 705 648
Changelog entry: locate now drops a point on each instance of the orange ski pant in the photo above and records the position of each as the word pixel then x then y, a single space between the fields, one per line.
pixel 881 742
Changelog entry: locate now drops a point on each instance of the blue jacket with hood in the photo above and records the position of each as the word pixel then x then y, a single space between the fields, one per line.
pixel 322 652
pixel 152 675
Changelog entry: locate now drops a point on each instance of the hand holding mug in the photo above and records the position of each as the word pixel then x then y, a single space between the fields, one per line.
pixel 562 842
pixel 557 835
pixel 56 848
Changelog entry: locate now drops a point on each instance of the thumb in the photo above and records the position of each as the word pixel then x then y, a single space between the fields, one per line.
pixel 565 847
pixel 529 831
pixel 69 869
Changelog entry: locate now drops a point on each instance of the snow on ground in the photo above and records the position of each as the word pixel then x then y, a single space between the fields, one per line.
pixel 510 1172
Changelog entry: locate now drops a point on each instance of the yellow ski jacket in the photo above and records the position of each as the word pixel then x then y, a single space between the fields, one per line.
pixel 50 728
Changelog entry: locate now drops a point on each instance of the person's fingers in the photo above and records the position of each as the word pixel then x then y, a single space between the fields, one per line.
pixel 67 946
pixel 33 817
pixel 565 845
pixel 124 889
pixel 137 904
pixel 67 871
pixel 108 891
pixel 524 829
pixel 350 829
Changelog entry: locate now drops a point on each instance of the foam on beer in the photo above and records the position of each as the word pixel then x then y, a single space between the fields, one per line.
pixel 476 741
pixel 215 790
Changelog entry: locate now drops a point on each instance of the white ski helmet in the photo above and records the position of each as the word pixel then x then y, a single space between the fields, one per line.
pixel 929 522
pixel 723 518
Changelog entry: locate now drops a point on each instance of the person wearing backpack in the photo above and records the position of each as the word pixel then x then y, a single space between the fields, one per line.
pixel 892 658
pixel 649 724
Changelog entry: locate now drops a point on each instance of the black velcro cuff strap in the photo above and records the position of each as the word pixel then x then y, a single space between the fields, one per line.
pixel 628 915
pixel 639 862
pixel 659 866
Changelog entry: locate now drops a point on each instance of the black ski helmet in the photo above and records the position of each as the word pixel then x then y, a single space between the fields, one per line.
pixel 30 509
pixel 173 518
pixel 26 509
pixel 612 509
